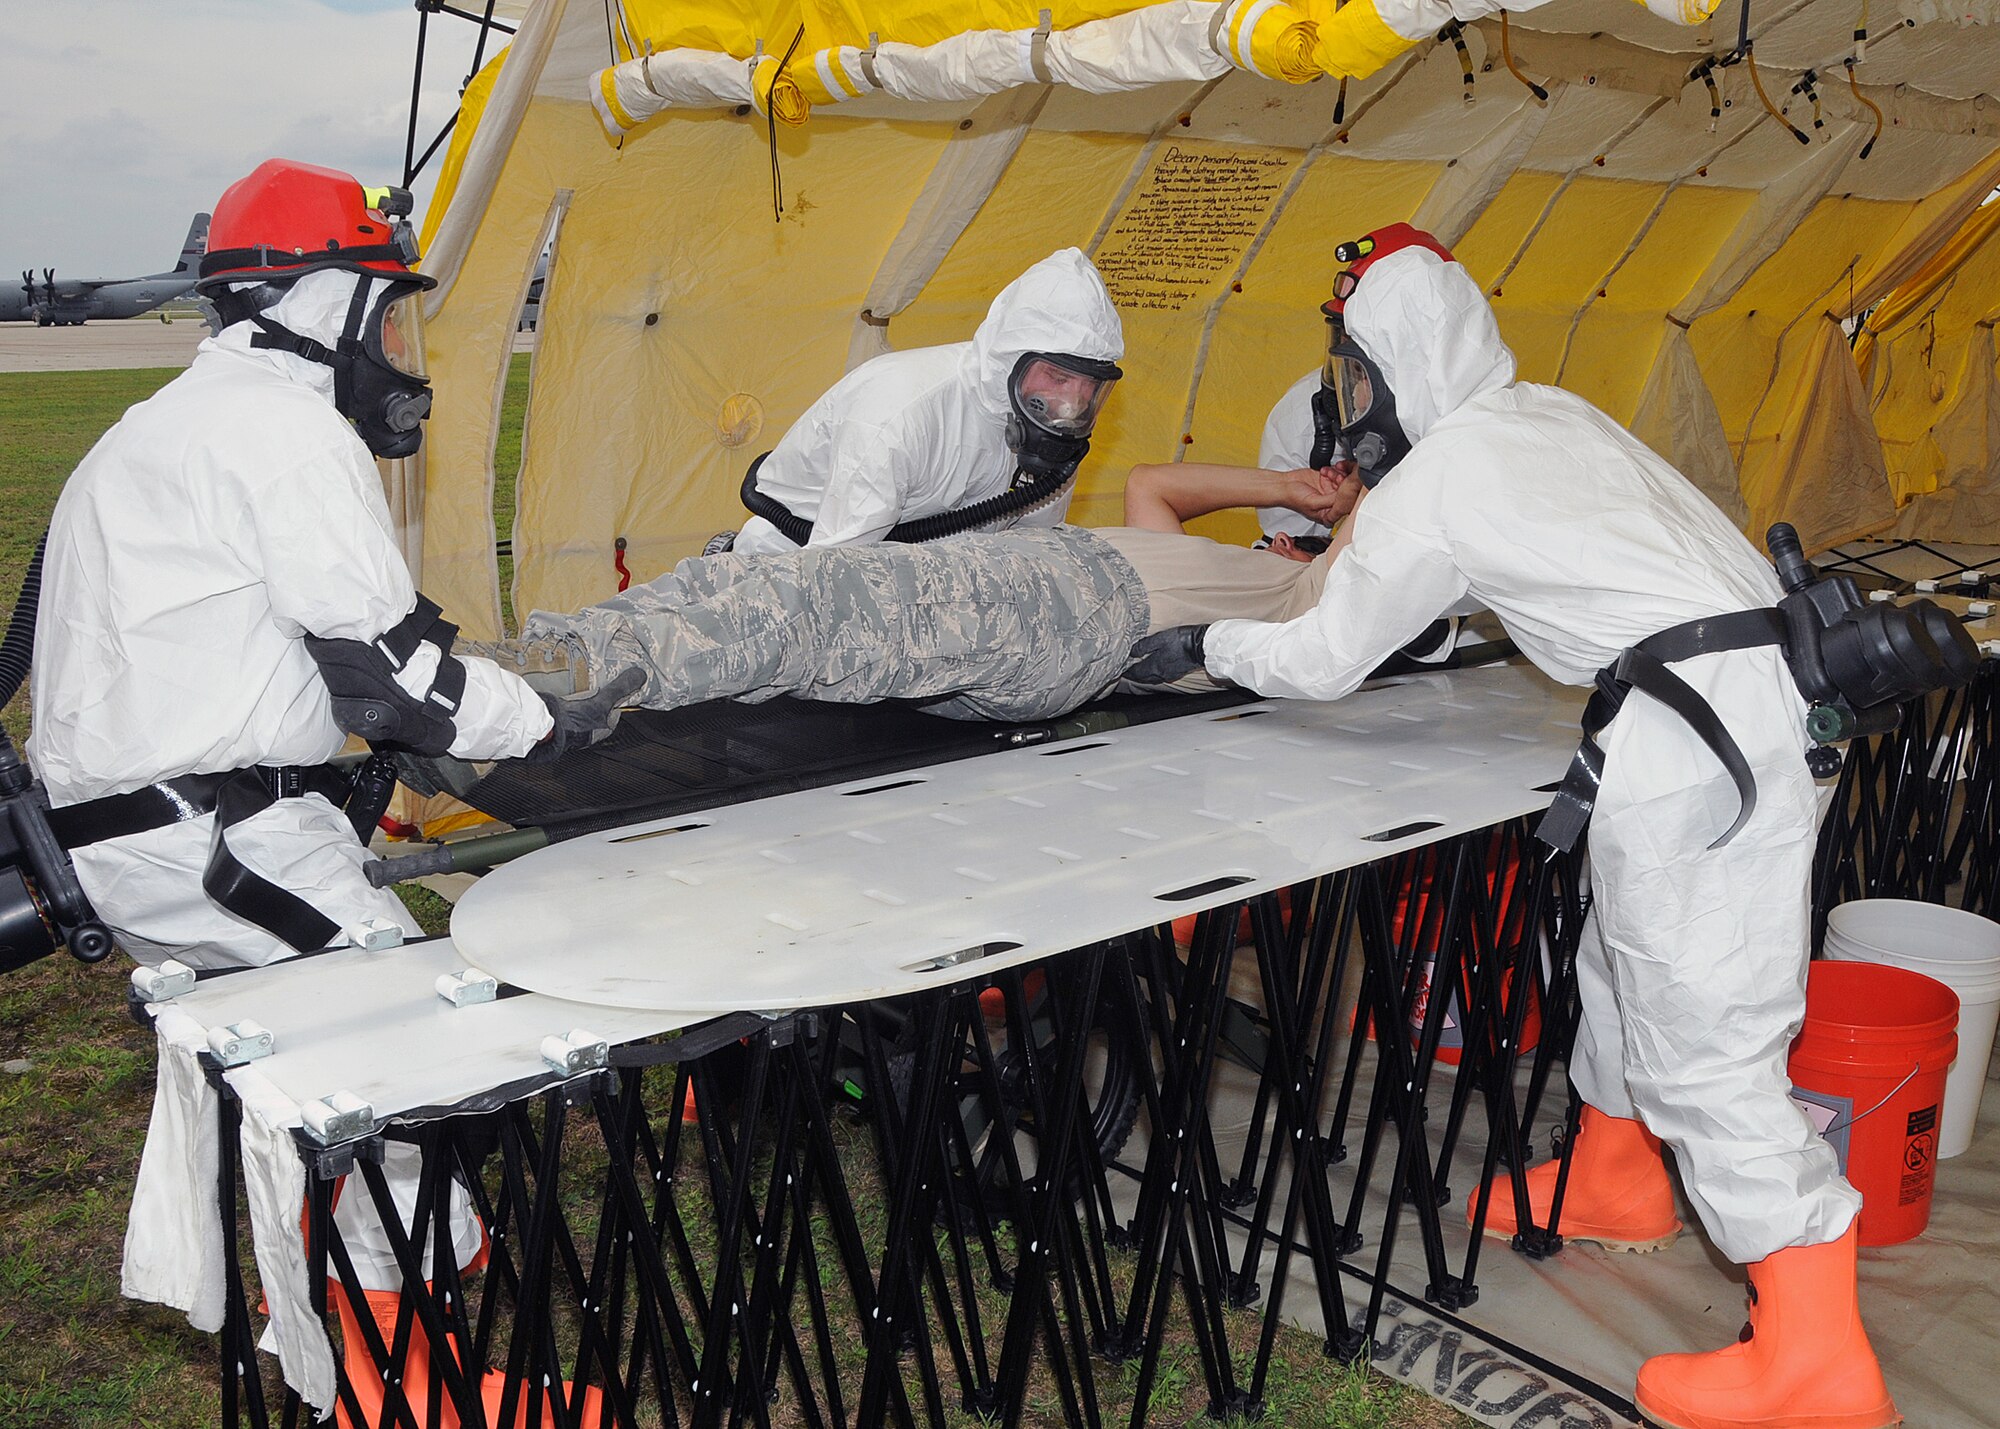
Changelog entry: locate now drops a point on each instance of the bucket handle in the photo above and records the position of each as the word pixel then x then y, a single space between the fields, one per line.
pixel 1843 1125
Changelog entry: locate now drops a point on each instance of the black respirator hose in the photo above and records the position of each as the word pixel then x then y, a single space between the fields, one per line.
pixel 17 648
pixel 1032 491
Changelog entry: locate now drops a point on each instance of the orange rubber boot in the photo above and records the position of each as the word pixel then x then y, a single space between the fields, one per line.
pixel 1804 1361
pixel 1618 1194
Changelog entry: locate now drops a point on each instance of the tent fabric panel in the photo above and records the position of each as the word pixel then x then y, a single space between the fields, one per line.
pixel 1588 225
pixel 468 343
pixel 665 366
pixel 1935 401
pixel 471 105
pixel 1616 337
pixel 1739 342
pixel 1827 439
pixel 1265 337
pixel 1965 506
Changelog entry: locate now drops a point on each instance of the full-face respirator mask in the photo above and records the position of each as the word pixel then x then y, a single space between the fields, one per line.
pixel 378 379
pixel 1053 401
pixel 1354 411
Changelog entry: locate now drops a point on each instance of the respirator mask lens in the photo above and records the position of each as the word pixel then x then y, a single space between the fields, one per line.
pixel 1344 373
pixel 1061 395
pixel 395 334
pixel 1353 388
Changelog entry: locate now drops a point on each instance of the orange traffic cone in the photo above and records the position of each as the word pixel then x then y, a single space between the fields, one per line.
pixel 1804 1361
pixel 1618 1193
pixel 370 1392
pixel 362 1373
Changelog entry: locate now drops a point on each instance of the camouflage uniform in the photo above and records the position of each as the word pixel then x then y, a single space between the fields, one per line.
pixel 1011 625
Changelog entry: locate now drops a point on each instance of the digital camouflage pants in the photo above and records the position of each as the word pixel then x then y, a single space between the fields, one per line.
pixel 1009 626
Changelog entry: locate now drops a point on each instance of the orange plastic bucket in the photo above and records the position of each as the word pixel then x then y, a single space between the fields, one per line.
pixel 1869 1068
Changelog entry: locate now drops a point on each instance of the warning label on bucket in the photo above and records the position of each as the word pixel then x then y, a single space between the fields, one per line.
pixel 1919 1156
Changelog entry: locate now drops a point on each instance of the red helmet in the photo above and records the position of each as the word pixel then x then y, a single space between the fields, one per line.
pixel 288 219
pixel 1361 252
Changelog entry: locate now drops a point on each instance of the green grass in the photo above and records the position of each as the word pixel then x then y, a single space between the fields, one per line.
pixel 506 469
pixel 73 1354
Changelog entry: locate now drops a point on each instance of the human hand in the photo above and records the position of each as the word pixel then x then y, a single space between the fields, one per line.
pixel 1323 494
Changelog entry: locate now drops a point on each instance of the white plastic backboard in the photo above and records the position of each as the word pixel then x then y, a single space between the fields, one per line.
pixel 913 880
pixel 372 1023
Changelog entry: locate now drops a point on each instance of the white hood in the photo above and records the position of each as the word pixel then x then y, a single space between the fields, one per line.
pixel 315 306
pixel 1057 306
pixel 1433 334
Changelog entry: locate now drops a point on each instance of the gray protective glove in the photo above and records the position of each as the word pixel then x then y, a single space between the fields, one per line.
pixel 582 720
pixel 1167 655
pixel 426 775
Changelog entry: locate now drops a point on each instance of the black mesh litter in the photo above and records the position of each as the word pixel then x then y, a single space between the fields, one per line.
pixel 660 763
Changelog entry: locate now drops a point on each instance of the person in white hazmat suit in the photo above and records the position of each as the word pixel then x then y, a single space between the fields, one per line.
pixel 1291 441
pixel 1693 963
pixel 224 603
pixel 984 434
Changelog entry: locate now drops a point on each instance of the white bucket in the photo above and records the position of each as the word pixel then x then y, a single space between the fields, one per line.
pixel 1960 950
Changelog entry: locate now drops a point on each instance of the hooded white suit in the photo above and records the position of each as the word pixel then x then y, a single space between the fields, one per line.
pixel 919 432
pixel 216 525
pixel 1286 446
pixel 1584 542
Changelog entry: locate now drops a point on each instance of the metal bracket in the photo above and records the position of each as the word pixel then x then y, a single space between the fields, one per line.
pixel 374 934
pixel 467 987
pixel 240 1042
pixel 163 983
pixel 576 1051
pixel 340 1117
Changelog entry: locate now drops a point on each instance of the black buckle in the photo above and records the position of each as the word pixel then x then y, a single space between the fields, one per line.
pixel 285 781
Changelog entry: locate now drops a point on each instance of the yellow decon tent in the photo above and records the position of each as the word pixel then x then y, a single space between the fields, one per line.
pixel 744 201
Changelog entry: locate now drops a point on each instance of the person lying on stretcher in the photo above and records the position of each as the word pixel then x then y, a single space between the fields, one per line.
pixel 1011 625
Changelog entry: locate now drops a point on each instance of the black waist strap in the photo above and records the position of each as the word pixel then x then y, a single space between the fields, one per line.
pixel 1644 667
pixel 232 797
pixel 174 801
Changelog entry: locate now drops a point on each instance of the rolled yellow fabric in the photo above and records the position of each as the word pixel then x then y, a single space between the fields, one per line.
pixel 779 95
pixel 1355 41
pixel 1284 45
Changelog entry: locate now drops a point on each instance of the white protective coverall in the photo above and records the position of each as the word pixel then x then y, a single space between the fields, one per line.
pixel 218 523
pixel 914 433
pixel 1286 446
pixel 1584 542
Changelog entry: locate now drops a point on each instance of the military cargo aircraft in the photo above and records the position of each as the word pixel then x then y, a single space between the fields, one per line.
pixel 62 302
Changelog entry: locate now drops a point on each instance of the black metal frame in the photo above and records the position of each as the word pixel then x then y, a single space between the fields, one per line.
pixel 725 1258
pixel 412 164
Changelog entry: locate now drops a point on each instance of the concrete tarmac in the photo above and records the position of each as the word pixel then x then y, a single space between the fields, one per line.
pixel 95 346
pixel 131 342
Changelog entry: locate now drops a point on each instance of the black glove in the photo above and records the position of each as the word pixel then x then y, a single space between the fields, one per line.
pixel 1164 657
pixel 582 720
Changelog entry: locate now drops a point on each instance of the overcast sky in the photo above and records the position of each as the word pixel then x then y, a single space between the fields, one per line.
pixel 120 119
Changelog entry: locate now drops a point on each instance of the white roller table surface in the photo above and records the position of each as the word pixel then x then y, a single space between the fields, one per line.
pixel 372 1023
pixel 913 880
